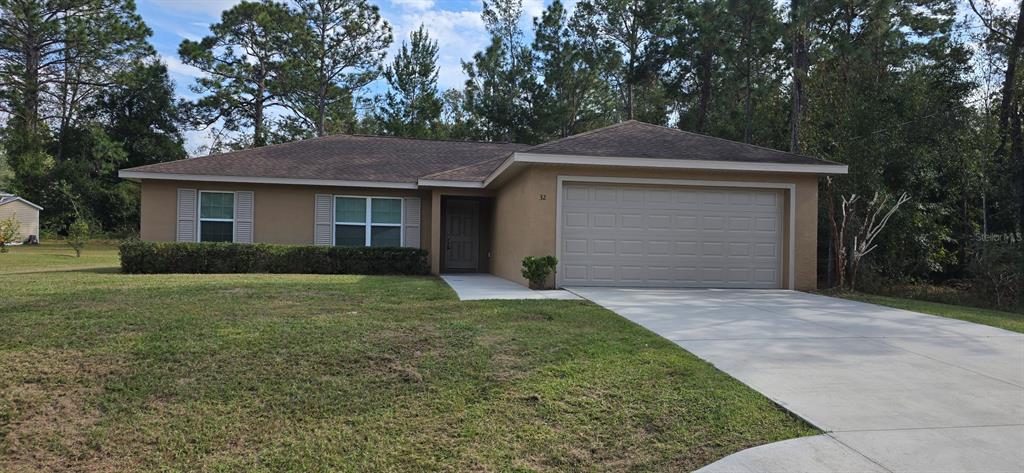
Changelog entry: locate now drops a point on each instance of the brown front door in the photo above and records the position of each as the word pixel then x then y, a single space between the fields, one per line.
pixel 462 235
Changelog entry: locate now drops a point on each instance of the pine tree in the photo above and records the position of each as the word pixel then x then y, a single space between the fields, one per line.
pixel 340 50
pixel 243 58
pixel 55 57
pixel 412 108
pixel 572 98
pixel 628 41
pixel 501 79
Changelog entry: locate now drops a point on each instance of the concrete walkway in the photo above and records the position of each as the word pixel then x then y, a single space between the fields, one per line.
pixel 476 286
pixel 896 391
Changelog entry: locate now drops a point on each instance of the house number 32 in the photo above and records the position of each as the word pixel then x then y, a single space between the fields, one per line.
pixel 543 197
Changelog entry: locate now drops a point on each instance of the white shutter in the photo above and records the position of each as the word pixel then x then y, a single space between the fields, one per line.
pixel 186 229
pixel 411 222
pixel 323 220
pixel 243 216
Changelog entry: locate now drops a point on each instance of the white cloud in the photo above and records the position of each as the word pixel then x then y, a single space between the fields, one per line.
pixel 532 9
pixel 210 8
pixel 175 66
pixel 413 4
pixel 459 34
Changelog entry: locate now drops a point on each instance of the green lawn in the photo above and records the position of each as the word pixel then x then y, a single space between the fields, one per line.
pixel 55 255
pixel 996 318
pixel 112 372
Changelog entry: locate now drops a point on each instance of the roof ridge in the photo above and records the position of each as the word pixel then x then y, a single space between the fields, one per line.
pixel 752 145
pixel 578 135
pixel 501 158
pixel 358 135
pixel 445 140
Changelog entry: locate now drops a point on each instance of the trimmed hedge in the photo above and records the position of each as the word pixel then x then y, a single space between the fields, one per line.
pixel 173 257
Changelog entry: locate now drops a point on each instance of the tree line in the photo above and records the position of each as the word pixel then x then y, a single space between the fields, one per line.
pixel 917 96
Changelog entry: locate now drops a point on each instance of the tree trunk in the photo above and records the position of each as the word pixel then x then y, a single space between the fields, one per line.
pixel 1017 158
pixel 257 120
pixel 321 110
pixel 32 52
pixel 1009 80
pixel 704 76
pixel 629 100
pixel 799 73
pixel 748 108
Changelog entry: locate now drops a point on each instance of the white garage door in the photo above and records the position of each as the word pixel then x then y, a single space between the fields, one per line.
pixel 614 235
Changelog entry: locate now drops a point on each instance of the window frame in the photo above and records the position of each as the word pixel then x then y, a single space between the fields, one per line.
pixel 368 223
pixel 200 219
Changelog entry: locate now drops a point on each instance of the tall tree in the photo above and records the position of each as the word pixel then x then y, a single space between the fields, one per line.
pixel 887 94
pixel 143 115
pixel 798 32
pixel 628 41
pixel 243 58
pixel 132 124
pixel 501 80
pixel 701 40
pixel 755 57
pixel 726 73
pixel 1004 39
pixel 572 97
pixel 340 50
pixel 412 108
pixel 55 56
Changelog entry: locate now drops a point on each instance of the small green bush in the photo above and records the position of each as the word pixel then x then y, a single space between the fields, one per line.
pixel 173 257
pixel 8 232
pixel 536 269
pixel 79 233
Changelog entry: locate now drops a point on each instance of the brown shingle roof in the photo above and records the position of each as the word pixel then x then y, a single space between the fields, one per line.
pixel 343 158
pixel 634 139
pixel 470 173
pixel 405 160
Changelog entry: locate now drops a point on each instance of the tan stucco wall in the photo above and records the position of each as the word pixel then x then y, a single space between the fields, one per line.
pixel 525 219
pixel 26 215
pixel 281 213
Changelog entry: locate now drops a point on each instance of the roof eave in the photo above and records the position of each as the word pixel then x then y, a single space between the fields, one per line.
pixel 139 175
pixel 22 200
pixel 449 183
pixel 661 163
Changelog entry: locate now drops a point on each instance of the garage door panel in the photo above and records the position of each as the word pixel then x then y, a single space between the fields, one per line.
pixel 674 237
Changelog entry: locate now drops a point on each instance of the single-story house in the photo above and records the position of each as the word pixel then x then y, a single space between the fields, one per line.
pixel 632 204
pixel 25 212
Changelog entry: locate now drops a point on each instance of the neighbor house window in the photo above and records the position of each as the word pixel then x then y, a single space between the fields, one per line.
pixel 216 216
pixel 367 221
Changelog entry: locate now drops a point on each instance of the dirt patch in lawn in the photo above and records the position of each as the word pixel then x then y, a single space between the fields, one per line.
pixel 47 411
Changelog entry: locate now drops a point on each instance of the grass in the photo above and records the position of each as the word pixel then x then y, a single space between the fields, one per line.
pixel 55 255
pixel 1005 320
pixel 101 371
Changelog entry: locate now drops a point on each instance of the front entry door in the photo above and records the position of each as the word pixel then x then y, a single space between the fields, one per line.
pixel 462 235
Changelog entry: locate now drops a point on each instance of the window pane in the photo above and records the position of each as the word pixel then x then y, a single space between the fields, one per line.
pixel 216 231
pixel 216 205
pixel 385 236
pixel 349 209
pixel 350 235
pixel 386 211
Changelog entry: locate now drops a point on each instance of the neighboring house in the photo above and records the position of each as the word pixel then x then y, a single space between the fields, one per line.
pixel 25 212
pixel 631 204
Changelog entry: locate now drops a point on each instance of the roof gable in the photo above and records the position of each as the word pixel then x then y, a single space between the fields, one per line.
pixel 341 158
pixel 10 198
pixel 635 139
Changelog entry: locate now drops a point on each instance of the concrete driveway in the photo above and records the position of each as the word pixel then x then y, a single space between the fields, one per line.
pixel 894 390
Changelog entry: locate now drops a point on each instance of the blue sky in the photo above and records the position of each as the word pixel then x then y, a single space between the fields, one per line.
pixel 455 24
